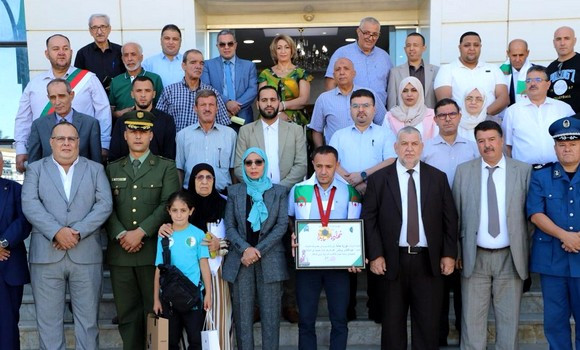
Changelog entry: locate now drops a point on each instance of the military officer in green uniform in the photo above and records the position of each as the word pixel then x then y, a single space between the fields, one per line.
pixel 141 183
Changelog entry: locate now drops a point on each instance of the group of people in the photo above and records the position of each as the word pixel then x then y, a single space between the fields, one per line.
pixel 436 161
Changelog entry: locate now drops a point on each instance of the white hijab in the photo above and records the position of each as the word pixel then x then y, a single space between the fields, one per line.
pixel 413 115
pixel 469 121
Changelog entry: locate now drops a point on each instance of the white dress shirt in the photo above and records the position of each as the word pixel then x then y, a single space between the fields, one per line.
pixel 66 176
pixel 271 144
pixel 484 239
pixel 526 129
pixel 403 176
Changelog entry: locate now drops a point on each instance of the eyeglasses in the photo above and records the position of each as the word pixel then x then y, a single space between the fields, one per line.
pixel 368 34
pixel 451 115
pixel 258 162
pixel 357 105
pixel 62 139
pixel 471 99
pixel 102 28
pixel 228 44
pixel 535 80
pixel 207 178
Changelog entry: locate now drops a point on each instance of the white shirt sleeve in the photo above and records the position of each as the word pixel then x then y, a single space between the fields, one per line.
pixel 444 77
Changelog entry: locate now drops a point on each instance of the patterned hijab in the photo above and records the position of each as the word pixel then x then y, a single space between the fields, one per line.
pixel 255 189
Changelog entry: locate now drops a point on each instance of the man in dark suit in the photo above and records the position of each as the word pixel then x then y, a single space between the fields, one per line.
pixel 163 142
pixel 411 235
pixel 14 229
pixel 60 95
pixel 234 78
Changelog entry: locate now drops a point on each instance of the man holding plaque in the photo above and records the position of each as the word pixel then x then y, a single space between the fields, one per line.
pixel 322 197
pixel 411 238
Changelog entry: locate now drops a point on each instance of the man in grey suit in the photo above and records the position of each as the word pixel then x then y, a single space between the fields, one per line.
pixel 61 95
pixel 283 142
pixel 66 198
pixel 235 79
pixel 494 239
pixel 415 67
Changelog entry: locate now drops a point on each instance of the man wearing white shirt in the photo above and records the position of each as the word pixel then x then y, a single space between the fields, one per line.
pixel 283 142
pixel 90 97
pixel 490 196
pixel 467 71
pixel 526 123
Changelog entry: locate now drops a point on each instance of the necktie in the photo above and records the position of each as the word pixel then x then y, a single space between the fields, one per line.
pixel 512 91
pixel 412 212
pixel 136 163
pixel 62 120
pixel 492 210
pixel 229 81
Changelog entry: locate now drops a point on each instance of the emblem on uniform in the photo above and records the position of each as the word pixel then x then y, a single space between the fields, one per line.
pixel 190 241
pixel 566 123
pixel 116 191
pixel 140 114
pixel 557 173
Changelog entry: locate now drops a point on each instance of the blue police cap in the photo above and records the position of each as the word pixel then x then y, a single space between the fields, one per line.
pixel 566 129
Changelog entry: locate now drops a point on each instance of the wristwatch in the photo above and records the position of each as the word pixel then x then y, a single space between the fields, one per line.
pixel 363 174
pixel 4 243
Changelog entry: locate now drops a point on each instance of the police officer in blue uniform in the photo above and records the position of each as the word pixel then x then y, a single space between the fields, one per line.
pixel 553 205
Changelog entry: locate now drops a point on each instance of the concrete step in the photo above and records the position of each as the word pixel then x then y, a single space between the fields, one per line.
pixel 363 334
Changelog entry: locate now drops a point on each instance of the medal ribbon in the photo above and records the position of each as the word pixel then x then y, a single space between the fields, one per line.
pixel 324 216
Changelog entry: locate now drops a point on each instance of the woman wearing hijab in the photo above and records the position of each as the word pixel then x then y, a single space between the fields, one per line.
pixel 411 110
pixel 208 216
pixel 474 111
pixel 256 219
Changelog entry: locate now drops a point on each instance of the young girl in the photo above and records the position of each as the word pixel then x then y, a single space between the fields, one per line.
pixel 190 256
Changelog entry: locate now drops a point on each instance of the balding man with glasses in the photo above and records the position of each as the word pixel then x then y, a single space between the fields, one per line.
pixel 234 78
pixel 372 64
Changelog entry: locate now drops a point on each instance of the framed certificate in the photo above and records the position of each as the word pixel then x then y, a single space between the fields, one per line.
pixel 338 246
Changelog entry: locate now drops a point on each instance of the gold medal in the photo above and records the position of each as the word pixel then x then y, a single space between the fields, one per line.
pixel 324 233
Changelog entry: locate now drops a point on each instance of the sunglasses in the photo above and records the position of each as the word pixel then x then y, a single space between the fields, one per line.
pixel 228 44
pixel 258 162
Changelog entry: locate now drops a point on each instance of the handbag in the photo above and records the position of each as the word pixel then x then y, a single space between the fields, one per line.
pixel 210 339
pixel 177 290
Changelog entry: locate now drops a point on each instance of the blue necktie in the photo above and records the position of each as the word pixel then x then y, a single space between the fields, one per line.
pixel 229 82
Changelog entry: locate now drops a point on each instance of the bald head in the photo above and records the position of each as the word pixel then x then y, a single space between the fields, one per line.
pixel 564 42
pixel 344 73
pixel 518 53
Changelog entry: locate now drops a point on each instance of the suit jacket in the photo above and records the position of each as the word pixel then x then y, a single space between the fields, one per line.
pixel 382 215
pixel 163 143
pixel 467 196
pixel 46 207
pixel 273 261
pixel 89 137
pixel 139 201
pixel 401 72
pixel 291 150
pixel 15 229
pixel 245 84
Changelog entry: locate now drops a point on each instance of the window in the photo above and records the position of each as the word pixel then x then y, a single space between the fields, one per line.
pixel 14 68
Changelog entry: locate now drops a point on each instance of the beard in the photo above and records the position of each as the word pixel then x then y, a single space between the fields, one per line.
pixel 267 115
pixel 143 106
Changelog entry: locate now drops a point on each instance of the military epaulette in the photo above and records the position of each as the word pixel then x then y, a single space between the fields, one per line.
pixel 117 160
pixel 541 166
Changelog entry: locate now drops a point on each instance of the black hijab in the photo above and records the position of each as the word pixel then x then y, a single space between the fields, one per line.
pixel 207 209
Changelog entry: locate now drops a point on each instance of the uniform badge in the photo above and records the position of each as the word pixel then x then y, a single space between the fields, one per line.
pixel 116 191
pixel 190 241
pixel 151 162
pixel 556 173
pixel 566 123
pixel 140 114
